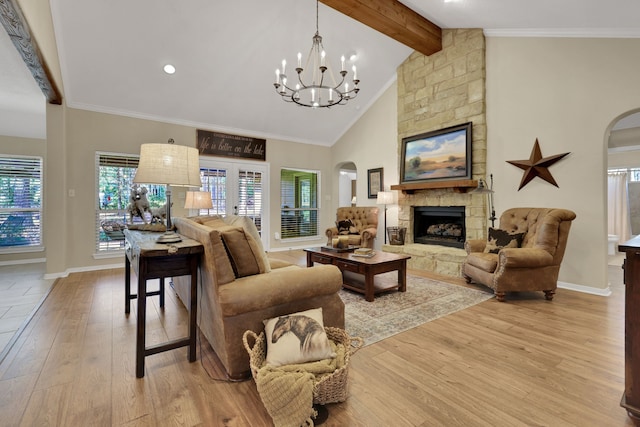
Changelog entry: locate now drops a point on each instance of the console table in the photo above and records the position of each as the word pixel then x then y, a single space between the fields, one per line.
pixel 631 397
pixel 151 260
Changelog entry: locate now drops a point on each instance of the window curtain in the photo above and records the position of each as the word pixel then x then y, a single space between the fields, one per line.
pixel 618 205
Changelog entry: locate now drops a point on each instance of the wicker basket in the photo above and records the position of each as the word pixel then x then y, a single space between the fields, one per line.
pixel 329 388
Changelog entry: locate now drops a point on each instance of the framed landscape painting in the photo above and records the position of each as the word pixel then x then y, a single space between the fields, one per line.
pixel 439 155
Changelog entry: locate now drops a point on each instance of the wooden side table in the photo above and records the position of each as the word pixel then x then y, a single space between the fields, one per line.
pixel 151 260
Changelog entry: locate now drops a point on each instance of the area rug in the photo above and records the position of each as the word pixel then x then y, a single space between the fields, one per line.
pixel 394 312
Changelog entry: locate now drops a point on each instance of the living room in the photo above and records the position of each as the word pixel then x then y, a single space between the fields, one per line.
pixel 567 92
pixel 536 88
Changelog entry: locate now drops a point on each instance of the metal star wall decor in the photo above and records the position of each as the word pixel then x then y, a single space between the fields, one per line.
pixel 537 165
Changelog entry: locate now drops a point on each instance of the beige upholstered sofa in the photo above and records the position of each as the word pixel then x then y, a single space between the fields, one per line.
pixel 240 287
pixel 534 266
pixel 365 221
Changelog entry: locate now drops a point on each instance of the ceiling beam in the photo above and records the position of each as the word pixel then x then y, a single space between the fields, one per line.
pixel 17 27
pixel 394 19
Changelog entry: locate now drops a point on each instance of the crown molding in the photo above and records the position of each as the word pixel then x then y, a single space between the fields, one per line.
pixel 613 33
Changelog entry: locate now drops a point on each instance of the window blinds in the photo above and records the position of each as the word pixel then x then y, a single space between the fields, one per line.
pixel 299 203
pixel 20 201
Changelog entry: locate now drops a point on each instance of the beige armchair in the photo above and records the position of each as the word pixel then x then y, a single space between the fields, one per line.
pixel 365 225
pixel 534 266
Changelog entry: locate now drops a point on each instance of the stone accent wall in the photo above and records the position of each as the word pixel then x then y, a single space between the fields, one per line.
pixel 435 92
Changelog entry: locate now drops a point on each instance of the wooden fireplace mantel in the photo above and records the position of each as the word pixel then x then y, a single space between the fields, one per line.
pixel 459 186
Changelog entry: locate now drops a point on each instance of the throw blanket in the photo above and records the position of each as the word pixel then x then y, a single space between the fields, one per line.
pixel 287 391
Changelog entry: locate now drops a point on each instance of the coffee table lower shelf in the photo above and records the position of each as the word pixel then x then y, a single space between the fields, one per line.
pixel 357 283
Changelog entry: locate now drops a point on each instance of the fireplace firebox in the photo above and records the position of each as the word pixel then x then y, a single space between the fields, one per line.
pixel 439 225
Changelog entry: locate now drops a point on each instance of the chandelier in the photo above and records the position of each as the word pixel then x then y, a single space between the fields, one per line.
pixel 316 86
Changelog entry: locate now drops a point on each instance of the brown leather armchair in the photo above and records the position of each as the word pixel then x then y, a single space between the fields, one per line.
pixel 534 266
pixel 365 221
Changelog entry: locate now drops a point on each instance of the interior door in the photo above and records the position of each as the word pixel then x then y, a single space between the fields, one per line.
pixel 238 188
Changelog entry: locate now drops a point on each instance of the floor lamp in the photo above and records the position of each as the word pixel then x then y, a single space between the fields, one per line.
pixel 385 198
pixel 168 164
pixel 483 189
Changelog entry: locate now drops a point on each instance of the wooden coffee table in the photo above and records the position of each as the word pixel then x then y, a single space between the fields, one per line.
pixel 358 272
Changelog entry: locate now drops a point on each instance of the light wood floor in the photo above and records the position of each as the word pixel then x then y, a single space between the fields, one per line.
pixel 526 362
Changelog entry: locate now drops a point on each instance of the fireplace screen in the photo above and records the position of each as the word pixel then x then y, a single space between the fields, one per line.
pixel 439 225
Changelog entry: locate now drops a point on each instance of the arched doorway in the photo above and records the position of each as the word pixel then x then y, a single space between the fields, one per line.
pixel 347 180
pixel 623 181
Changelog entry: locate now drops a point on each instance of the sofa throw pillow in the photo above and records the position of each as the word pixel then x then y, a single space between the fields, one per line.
pixel 241 256
pixel 499 239
pixel 297 338
pixel 345 226
pixel 251 230
pixel 221 262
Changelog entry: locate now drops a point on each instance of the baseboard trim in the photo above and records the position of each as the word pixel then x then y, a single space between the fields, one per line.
pixel 82 270
pixel 23 261
pixel 605 292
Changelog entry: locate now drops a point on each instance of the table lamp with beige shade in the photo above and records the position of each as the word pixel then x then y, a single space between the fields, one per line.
pixel 197 200
pixel 172 165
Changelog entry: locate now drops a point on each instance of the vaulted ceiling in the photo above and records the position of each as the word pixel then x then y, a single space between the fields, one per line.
pixel 225 53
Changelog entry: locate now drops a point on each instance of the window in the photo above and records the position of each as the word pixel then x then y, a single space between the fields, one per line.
pixel 20 202
pixel 248 189
pixel 215 181
pixel 114 182
pixel 299 203
pixel 237 188
pixel 250 196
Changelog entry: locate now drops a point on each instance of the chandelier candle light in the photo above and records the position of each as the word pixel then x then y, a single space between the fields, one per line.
pixel 316 85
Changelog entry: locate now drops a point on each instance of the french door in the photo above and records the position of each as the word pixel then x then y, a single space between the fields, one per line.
pixel 238 188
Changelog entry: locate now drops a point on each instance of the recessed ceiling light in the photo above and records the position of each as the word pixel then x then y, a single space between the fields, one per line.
pixel 169 69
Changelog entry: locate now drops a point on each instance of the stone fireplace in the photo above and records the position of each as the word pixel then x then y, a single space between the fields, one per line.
pixel 444 89
pixel 445 259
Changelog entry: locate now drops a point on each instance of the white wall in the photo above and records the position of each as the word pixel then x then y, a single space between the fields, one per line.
pixel 70 221
pixel 372 142
pixel 567 93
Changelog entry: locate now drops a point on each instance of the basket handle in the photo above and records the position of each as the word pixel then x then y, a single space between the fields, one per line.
pixel 356 343
pixel 249 333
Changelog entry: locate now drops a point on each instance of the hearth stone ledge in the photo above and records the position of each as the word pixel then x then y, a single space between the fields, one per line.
pixel 437 259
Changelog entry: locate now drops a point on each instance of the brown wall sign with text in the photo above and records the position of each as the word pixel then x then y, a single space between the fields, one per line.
pixel 225 145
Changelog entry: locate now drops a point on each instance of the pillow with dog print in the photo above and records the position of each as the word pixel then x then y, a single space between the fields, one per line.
pixel 297 338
